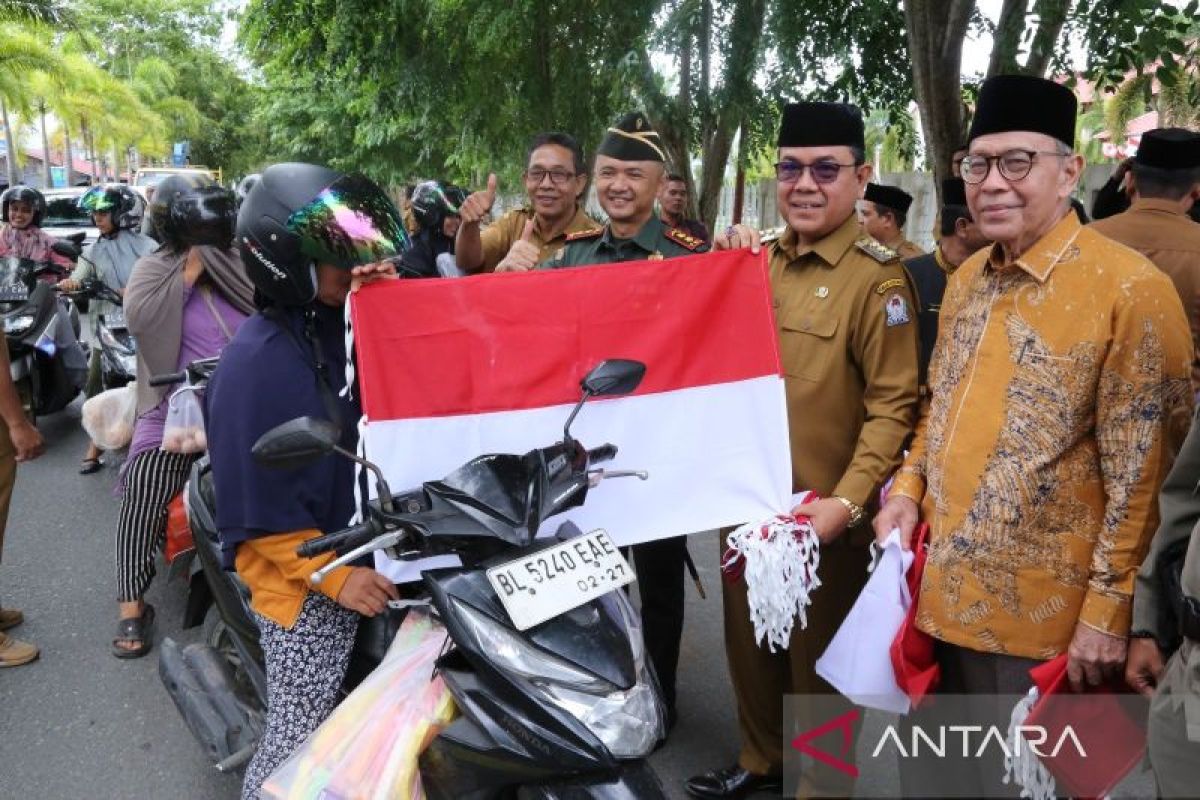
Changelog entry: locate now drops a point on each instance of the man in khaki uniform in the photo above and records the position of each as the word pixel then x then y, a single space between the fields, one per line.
pixel 555 180
pixel 848 344
pixel 1165 183
pixel 884 212
pixel 19 441
pixel 1166 615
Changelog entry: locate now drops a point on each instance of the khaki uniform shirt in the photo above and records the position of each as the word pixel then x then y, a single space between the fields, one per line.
pixel 598 246
pixel 1157 230
pixel 907 249
pixel 1059 395
pixel 499 237
pixel 848 347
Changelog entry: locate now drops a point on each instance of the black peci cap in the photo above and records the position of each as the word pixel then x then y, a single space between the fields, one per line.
pixel 891 196
pixel 1169 148
pixel 1025 103
pixel 814 124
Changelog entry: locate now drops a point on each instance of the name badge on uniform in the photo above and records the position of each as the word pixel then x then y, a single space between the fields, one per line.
pixel 896 309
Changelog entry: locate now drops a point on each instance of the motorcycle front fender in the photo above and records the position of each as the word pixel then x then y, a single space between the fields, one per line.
pixel 635 781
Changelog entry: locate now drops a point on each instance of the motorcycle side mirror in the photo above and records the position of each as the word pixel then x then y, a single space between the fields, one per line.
pixel 615 376
pixel 296 443
pixel 304 440
pixel 77 238
pixel 66 248
pixel 609 378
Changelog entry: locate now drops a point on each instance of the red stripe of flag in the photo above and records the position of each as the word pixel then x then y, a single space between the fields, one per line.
pixel 504 342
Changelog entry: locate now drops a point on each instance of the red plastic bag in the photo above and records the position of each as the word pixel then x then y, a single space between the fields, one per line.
pixel 917 672
pixel 179 532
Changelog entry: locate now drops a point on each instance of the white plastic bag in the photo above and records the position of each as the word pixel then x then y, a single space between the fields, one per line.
pixel 184 428
pixel 108 417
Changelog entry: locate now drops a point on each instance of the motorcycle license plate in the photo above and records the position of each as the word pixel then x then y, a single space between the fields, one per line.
pixel 115 319
pixel 14 293
pixel 553 581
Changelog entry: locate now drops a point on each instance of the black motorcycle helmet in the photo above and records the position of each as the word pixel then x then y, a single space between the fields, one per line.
pixel 118 200
pixel 432 201
pixel 160 205
pixel 202 216
pixel 301 215
pixel 24 194
pixel 245 185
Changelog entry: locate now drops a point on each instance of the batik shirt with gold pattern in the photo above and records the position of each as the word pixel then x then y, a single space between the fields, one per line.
pixel 1059 396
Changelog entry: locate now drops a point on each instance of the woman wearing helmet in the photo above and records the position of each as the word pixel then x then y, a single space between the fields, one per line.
pixel 115 211
pixel 185 301
pixel 307 234
pixel 21 235
pixel 435 208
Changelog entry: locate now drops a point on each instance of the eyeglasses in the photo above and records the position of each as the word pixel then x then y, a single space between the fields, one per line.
pixel 1013 165
pixel 822 171
pixel 557 176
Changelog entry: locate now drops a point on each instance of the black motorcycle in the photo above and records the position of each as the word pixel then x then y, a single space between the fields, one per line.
pixel 563 703
pixel 110 333
pixel 47 363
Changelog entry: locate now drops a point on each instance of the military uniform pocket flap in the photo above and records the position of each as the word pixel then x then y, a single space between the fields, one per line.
pixel 822 326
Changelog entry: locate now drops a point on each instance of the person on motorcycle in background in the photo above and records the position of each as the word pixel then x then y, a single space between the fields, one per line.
pixel 288 361
pixel 184 302
pixel 23 208
pixel 245 185
pixel 435 207
pixel 115 211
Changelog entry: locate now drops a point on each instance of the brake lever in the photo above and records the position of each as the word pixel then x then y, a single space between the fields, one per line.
pixel 378 543
pixel 595 476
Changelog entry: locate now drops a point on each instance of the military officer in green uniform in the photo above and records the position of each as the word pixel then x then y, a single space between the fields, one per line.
pixel 630 169
pixel 848 352
pixel 629 172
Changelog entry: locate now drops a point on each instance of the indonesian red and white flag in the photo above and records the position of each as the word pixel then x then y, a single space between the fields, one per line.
pixel 453 369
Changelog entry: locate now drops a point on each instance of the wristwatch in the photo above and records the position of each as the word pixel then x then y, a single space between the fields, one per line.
pixel 1143 634
pixel 856 511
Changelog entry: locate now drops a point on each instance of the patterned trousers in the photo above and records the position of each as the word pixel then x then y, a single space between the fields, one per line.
pixel 306 665
pixel 151 480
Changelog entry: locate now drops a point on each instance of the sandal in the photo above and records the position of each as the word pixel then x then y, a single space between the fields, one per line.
pixel 90 465
pixel 134 630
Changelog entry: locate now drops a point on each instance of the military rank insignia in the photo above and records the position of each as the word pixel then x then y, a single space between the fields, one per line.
pixel 683 239
pixel 896 310
pixel 881 253
pixel 590 233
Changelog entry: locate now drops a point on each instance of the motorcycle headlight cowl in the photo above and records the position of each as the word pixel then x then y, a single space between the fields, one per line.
pixel 629 722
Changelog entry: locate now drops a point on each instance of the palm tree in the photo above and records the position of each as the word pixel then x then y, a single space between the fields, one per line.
pixel 22 53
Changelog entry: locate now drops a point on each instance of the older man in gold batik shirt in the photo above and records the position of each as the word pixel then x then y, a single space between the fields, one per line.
pixel 1059 395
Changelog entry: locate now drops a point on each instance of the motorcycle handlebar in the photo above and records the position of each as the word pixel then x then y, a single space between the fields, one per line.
pixel 351 537
pixel 605 452
pixel 168 379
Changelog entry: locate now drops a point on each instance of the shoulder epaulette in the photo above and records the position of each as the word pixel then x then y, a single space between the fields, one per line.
pixel 881 253
pixel 590 233
pixel 683 238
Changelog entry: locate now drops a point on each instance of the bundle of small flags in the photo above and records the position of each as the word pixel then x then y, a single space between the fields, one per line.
pixel 778 560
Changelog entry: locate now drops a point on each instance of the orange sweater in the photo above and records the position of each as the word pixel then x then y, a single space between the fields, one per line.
pixel 278 578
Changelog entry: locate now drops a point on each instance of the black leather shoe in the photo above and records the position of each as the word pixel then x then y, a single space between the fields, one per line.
pixel 731 783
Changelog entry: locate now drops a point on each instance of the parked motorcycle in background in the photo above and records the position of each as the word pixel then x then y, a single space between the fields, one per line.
pixel 556 694
pixel 48 364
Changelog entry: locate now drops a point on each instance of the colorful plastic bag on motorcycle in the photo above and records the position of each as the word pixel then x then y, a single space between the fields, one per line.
pixel 368 747
pixel 183 431
pixel 109 417
pixel 179 532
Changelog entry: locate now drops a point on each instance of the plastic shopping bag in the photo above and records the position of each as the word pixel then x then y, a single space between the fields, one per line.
pixel 183 431
pixel 108 417
pixel 368 748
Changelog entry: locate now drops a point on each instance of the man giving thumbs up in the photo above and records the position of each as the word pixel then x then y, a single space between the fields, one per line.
pixel 555 180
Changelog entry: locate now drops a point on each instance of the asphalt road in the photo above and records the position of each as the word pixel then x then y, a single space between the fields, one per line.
pixel 79 723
